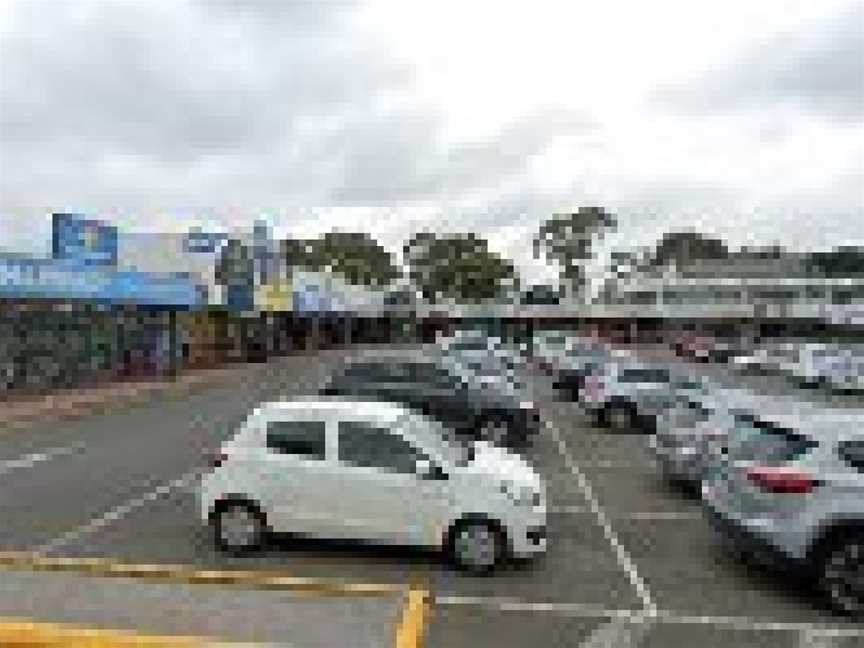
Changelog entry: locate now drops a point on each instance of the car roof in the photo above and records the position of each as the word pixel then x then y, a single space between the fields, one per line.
pixel 789 411
pixel 366 408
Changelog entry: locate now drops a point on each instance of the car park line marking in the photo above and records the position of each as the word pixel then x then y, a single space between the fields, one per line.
pixel 24 632
pixel 577 509
pixel 190 575
pixel 31 459
pixel 506 604
pixel 411 631
pixel 618 633
pixel 568 509
pixel 808 639
pixel 101 521
pixel 611 464
pixel 621 554
pixel 588 610
pixel 660 515
pixel 757 625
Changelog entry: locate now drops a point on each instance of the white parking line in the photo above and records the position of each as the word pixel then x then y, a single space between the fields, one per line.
pixel 612 464
pixel 661 515
pixel 621 554
pixel 31 459
pixel 578 509
pixel 101 521
pixel 618 633
pixel 814 631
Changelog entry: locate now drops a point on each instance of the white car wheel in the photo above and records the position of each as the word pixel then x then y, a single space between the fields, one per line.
pixel 476 547
pixel 843 577
pixel 239 528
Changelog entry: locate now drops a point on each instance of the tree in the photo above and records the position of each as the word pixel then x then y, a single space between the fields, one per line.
pixel 569 239
pixel 459 267
pixel 845 261
pixel 685 247
pixel 358 257
pixel 235 266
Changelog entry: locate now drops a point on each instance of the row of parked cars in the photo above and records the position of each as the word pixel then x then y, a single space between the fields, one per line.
pixel 429 448
pixel 781 478
pixel 408 448
pixel 809 364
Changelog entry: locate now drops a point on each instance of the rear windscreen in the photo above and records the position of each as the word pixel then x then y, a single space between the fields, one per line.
pixel 765 443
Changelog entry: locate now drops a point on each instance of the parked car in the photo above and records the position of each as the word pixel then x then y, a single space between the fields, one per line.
pixel 829 365
pixel 580 359
pixel 568 357
pixel 691 437
pixel 376 472
pixel 791 488
pixel 630 395
pixel 768 357
pixel 495 412
pixel 489 359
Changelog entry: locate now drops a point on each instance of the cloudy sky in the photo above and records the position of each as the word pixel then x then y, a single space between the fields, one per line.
pixel 743 119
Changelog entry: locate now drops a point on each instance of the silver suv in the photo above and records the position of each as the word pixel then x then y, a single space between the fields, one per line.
pixel 692 436
pixel 792 486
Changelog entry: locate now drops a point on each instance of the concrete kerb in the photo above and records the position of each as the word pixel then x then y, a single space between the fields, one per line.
pixel 167 573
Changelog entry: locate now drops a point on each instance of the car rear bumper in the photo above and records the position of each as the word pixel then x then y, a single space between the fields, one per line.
pixel 746 540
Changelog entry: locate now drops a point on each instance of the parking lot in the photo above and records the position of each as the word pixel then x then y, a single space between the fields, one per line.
pixel 631 561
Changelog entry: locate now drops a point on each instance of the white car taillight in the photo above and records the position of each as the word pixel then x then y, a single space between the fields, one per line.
pixel 783 480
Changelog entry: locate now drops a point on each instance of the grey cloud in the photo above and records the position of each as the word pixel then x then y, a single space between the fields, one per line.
pixel 126 79
pixel 401 155
pixel 820 69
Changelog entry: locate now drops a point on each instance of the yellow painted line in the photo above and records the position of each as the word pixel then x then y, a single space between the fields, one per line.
pixel 411 632
pixel 260 579
pixel 21 633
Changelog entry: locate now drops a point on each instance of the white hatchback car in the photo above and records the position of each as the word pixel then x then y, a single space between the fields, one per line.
pixel 372 471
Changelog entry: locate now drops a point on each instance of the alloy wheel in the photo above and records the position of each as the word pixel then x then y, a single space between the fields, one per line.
pixel 239 528
pixel 476 547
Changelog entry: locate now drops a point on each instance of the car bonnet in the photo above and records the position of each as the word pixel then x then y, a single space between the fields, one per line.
pixel 498 463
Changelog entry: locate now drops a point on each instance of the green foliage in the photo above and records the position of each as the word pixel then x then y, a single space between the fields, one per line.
pixel 235 265
pixel 358 257
pixel 844 261
pixel 569 238
pixel 687 246
pixel 459 267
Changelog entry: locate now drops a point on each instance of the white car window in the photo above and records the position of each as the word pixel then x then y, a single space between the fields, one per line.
pixel 368 446
pixel 304 439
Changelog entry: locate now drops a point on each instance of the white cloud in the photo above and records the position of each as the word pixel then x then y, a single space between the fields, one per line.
pixel 394 116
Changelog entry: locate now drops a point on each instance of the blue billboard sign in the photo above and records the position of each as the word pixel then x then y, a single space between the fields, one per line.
pixel 88 242
pixel 49 279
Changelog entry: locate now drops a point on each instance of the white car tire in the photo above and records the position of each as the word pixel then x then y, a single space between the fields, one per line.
pixel 476 546
pixel 841 575
pixel 238 527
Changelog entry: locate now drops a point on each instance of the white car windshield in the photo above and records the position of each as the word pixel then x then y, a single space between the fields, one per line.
pixel 434 436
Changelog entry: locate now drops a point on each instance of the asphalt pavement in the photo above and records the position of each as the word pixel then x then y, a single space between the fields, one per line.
pixel 631 562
